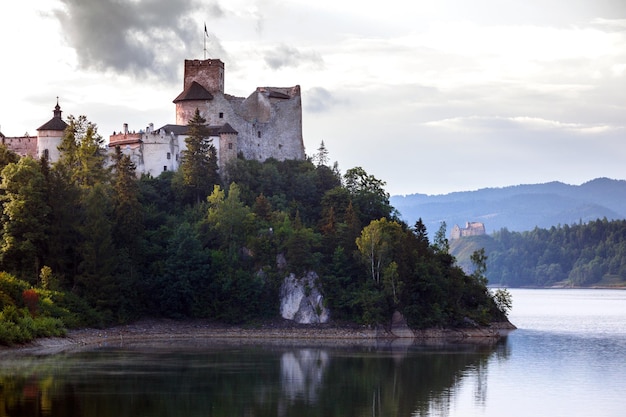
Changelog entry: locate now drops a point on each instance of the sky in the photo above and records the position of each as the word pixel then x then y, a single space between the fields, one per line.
pixel 429 96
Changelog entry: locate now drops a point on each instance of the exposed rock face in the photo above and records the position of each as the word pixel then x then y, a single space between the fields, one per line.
pixel 399 328
pixel 301 300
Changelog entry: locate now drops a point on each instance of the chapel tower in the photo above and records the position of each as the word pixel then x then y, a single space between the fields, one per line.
pixel 50 135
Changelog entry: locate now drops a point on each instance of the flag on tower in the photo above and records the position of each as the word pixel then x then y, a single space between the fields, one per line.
pixel 205 31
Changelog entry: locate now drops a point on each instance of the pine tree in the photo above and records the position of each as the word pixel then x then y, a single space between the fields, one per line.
pixel 199 164
pixel 25 218
pixel 321 157
pixel 127 210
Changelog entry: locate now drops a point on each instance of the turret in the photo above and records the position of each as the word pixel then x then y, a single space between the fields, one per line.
pixel 50 135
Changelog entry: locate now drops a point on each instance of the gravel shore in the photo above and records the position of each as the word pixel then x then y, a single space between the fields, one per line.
pixel 151 332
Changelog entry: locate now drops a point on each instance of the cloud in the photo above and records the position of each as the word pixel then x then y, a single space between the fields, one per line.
pixel 320 100
pixel 481 123
pixel 136 37
pixel 287 56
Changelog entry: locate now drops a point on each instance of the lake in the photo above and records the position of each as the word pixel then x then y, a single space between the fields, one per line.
pixel 567 358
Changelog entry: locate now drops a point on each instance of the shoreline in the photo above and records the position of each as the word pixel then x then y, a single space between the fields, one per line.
pixel 167 332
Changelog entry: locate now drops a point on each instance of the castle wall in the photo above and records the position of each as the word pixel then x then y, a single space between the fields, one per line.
pixel 267 127
pixel 22 145
pixel 226 147
pixel 278 136
pixel 160 156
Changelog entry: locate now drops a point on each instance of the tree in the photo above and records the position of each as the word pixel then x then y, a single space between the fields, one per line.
pixel 25 218
pixel 321 157
pixel 7 156
pixel 376 245
pixel 199 159
pixel 503 299
pixel 82 154
pixel 479 260
pixel 96 280
pixel 183 286
pixel 368 195
pixel 392 282
pixel 229 218
pixel 421 235
pixel 64 237
pixel 127 210
pixel 441 244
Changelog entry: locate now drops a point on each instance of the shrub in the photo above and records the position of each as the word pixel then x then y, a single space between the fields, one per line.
pixel 12 286
pixel 31 301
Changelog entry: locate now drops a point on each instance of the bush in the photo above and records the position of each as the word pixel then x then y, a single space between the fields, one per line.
pixel 18 326
pixel 12 287
pixel 31 301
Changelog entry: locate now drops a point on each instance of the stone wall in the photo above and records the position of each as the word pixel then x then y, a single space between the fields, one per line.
pixel 22 145
pixel 209 73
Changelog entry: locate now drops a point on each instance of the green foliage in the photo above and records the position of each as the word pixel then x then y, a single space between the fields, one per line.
pixel 503 299
pixel 198 167
pixel 18 326
pixel 82 153
pixel 99 246
pixel 127 209
pixel 576 255
pixel 25 218
pixel 27 313
pixel 368 195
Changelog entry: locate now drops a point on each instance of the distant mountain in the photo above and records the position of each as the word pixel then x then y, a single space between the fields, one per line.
pixel 518 208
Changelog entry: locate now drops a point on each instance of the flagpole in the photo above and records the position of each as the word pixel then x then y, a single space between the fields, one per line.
pixel 204 36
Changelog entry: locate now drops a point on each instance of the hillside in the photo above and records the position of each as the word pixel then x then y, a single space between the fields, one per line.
pixel 587 255
pixel 520 207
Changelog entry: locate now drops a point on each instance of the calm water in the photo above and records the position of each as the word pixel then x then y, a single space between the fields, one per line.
pixel 568 358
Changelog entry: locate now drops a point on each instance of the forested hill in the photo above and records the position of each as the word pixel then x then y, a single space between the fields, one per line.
pixel 87 244
pixel 581 255
pixel 520 207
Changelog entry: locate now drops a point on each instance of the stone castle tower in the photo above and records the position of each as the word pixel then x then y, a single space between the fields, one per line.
pixel 268 122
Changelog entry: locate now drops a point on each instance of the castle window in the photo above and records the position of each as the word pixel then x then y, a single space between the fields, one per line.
pixel 221 115
pixel 230 146
pixel 258 133
pixel 280 146
pixel 177 157
pixel 169 155
pixel 164 168
pixel 46 154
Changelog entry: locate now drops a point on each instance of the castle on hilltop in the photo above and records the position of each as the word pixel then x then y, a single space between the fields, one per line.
pixel 470 229
pixel 266 124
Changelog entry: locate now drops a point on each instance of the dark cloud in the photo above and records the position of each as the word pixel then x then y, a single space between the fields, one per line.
pixel 288 56
pixel 138 37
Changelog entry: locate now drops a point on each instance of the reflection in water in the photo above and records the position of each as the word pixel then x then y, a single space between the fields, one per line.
pixel 301 373
pixel 250 381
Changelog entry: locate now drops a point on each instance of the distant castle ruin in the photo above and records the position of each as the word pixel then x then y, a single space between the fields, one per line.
pixel 470 229
pixel 266 124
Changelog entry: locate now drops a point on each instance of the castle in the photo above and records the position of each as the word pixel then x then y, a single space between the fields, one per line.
pixel 266 124
pixel 49 136
pixel 470 229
